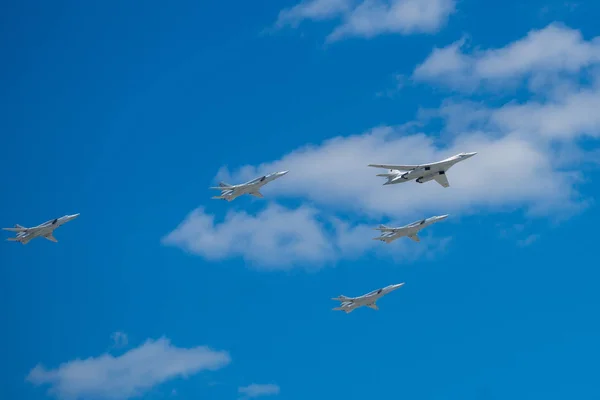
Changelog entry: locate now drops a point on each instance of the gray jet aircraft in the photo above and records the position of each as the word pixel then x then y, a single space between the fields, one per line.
pixel 422 173
pixel 349 304
pixel 232 192
pixel 45 230
pixel 389 234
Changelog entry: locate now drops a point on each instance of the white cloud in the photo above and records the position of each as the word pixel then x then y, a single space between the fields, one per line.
pixel 129 375
pixel 509 171
pixel 257 390
pixel 529 159
pixel 574 114
pixel 370 18
pixel 556 49
pixel 528 240
pixel 313 9
pixel 119 339
pixel 279 238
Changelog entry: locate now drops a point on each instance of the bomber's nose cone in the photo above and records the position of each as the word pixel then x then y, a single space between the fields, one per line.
pixel 394 287
pixel 74 216
pixel 471 154
pixel 441 217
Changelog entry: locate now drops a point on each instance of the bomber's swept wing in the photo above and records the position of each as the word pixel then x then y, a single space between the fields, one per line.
pixel 257 194
pixel 373 306
pixel 442 179
pixel 415 237
pixel 51 238
pixel 396 167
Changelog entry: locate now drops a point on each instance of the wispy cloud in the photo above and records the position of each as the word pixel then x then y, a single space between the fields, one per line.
pixel 509 171
pixel 529 158
pixel 539 56
pixel 280 238
pixel 371 18
pixel 119 339
pixel 528 240
pixel 258 390
pixel 128 375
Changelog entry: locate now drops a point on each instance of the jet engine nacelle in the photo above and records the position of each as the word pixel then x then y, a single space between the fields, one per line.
pixel 424 179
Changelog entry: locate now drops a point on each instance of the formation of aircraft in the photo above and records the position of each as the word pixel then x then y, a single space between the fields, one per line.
pixel 422 173
pixel 350 304
pixel 389 234
pixel 232 192
pixel 45 230
pixel 397 174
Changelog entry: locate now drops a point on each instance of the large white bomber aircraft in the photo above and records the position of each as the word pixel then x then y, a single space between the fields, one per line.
pixel 349 304
pixel 45 230
pixel 422 173
pixel 232 192
pixel 389 234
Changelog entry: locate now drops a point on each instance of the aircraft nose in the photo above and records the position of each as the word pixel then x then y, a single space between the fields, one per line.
pixel 471 154
pixel 443 216
pixel 73 216
pixel 396 286
pixel 283 173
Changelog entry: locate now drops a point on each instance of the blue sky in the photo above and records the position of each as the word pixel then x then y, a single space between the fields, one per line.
pixel 128 113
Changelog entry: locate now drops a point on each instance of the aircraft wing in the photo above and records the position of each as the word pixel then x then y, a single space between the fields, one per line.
pixel 396 167
pixel 373 306
pixel 51 238
pixel 415 237
pixel 257 194
pixel 442 179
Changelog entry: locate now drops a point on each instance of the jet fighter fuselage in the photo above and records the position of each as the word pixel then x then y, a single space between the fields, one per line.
pixel 232 192
pixel 349 304
pixel 45 230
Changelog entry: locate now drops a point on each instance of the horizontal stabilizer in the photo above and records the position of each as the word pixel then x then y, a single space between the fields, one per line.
pixel 218 197
pixel 12 239
pixel 386 175
pixel 14 229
